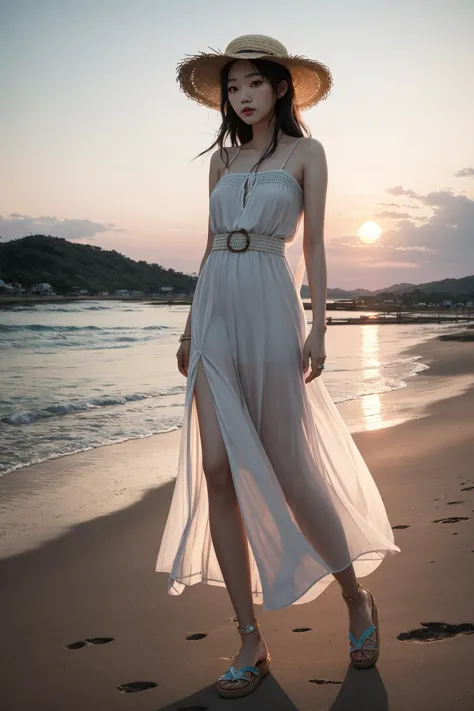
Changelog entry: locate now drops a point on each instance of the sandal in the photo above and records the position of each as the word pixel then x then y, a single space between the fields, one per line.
pixel 369 641
pixel 246 685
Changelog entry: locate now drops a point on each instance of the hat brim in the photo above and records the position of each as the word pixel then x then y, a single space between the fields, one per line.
pixel 199 77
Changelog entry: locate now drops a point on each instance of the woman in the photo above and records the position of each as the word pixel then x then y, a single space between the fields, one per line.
pixel 272 498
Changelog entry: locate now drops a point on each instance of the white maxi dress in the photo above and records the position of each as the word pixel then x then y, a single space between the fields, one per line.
pixel 308 501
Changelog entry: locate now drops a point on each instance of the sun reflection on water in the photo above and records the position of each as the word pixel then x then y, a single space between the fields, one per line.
pixel 371 405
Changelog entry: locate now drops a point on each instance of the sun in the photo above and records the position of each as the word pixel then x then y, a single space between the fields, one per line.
pixel 369 232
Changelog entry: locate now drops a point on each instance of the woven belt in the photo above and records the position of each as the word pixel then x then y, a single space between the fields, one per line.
pixel 241 241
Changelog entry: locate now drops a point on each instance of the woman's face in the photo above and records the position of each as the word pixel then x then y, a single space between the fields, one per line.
pixel 250 94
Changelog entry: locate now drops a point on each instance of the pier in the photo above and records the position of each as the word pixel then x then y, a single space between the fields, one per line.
pixel 405 318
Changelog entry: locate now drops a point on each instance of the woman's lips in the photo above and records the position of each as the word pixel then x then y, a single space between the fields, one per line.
pixel 247 112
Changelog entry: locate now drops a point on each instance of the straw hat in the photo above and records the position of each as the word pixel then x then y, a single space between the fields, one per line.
pixel 199 75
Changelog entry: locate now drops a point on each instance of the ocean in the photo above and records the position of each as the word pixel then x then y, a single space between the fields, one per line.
pixel 86 374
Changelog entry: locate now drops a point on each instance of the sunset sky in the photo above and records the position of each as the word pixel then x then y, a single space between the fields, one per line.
pixel 97 142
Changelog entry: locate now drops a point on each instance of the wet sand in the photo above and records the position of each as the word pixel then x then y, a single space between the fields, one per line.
pixel 77 565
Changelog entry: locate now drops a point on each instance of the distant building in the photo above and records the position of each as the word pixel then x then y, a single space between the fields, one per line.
pixel 166 289
pixel 447 303
pixel 13 289
pixel 43 290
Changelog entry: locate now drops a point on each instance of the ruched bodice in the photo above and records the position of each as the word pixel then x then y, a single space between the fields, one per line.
pixel 271 205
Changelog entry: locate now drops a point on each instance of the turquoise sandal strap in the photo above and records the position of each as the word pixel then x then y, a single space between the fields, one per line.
pixel 357 643
pixel 233 674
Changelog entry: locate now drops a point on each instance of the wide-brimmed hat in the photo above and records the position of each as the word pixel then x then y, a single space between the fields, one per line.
pixel 199 75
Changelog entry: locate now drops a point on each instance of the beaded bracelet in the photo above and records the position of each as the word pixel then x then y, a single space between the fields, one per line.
pixel 184 337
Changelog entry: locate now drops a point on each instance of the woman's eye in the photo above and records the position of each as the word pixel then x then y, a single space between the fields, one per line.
pixel 256 82
pixel 231 89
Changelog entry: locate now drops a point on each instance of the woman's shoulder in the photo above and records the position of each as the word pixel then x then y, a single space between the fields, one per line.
pixel 221 159
pixel 311 152
pixel 221 154
pixel 311 144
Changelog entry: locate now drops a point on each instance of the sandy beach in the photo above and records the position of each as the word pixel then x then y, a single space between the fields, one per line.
pixel 78 545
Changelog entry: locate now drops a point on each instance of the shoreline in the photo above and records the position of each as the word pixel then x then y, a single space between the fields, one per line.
pixel 98 579
pixel 436 314
pixel 354 409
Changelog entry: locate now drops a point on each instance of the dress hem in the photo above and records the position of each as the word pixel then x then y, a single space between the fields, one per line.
pixel 220 583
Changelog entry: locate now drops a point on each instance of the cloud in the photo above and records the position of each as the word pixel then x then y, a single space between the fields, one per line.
pixel 413 249
pixel 437 246
pixel 393 215
pixel 399 190
pixel 17 225
pixel 464 173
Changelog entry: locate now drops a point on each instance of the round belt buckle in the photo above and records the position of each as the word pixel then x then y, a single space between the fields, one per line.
pixel 237 232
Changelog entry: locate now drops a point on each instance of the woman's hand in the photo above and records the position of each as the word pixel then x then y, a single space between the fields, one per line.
pixel 182 356
pixel 314 349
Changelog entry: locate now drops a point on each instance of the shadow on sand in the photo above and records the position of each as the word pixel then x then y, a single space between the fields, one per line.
pixel 360 690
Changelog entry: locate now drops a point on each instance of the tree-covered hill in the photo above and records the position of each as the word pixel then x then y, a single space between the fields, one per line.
pixel 454 287
pixel 68 265
pixel 444 289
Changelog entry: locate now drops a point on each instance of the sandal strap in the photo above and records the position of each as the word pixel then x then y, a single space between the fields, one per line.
pixel 369 653
pixel 357 643
pixel 233 674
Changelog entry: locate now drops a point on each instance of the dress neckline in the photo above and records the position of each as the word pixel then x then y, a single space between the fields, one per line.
pixel 261 172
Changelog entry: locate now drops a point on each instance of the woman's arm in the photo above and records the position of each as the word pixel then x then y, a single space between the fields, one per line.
pixel 315 188
pixel 215 168
pixel 315 181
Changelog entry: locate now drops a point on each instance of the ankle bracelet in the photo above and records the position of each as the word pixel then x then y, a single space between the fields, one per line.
pixel 249 628
pixel 353 598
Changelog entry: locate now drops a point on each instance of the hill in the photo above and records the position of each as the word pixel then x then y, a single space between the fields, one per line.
pixel 463 286
pixel 455 287
pixel 68 265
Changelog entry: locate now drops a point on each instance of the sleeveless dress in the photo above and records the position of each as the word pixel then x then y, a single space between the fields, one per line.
pixel 308 501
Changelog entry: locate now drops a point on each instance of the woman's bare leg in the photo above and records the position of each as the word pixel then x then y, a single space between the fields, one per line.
pixel 315 531
pixel 227 528
pixel 360 613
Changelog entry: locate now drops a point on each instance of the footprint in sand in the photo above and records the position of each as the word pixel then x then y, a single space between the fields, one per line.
pixel 435 631
pixel 467 488
pixel 323 681
pixel 194 637
pixel 399 528
pixel 89 640
pixel 302 629
pixel 451 519
pixel 133 687
pixel 451 503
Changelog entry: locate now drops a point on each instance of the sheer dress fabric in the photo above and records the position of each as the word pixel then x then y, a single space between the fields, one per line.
pixel 308 500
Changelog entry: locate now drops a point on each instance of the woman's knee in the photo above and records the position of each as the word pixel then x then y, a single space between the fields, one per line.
pixel 218 474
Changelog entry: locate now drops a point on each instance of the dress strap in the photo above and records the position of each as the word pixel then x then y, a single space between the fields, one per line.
pixel 232 159
pixel 291 151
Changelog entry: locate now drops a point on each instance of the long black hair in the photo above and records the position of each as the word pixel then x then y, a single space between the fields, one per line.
pixel 287 116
